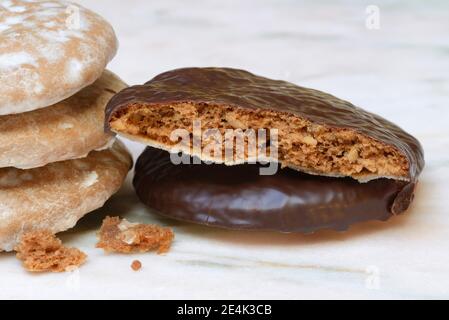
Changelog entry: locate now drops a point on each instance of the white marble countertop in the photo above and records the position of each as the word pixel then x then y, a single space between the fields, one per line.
pixel 399 71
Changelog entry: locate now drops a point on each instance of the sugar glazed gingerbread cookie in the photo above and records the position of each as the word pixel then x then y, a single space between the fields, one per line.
pixel 67 130
pixel 49 50
pixel 56 196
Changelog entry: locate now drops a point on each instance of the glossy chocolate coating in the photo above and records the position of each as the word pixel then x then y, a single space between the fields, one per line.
pixel 237 197
pixel 233 87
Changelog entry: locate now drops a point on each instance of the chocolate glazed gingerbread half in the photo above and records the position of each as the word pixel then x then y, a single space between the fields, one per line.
pixel 319 134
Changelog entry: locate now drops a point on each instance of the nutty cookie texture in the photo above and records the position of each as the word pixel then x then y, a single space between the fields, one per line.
pixel 339 164
pixel 117 235
pixel 318 133
pixel 41 251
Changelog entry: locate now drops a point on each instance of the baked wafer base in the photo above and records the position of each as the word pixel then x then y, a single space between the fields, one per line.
pixel 317 132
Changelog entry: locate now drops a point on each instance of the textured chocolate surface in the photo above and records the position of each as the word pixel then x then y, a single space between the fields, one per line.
pixel 238 197
pixel 232 87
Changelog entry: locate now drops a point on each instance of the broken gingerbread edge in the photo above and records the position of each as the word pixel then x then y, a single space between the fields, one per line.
pixel 411 149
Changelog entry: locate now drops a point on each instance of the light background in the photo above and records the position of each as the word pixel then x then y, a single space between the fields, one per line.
pixel 400 71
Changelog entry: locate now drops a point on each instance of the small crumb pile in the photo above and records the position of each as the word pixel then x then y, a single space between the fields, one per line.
pixel 41 251
pixel 117 235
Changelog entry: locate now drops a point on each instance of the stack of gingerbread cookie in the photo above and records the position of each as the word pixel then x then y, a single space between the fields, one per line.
pixel 56 161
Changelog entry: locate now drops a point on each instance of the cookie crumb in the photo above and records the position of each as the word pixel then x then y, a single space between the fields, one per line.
pixel 136 265
pixel 42 251
pixel 117 235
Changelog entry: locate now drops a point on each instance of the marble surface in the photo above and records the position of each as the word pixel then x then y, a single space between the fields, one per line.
pixel 399 71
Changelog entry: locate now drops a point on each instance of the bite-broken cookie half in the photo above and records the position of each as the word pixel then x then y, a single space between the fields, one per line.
pixel 332 164
pixel 317 132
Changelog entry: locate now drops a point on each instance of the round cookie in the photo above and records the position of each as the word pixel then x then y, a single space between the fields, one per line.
pixel 237 197
pixel 49 50
pixel 56 196
pixel 67 130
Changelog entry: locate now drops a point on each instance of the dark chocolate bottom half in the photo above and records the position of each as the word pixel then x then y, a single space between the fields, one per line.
pixel 237 197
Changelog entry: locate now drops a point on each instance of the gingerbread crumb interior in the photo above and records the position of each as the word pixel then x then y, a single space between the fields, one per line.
pixel 117 235
pixel 42 251
pixel 136 265
pixel 303 145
